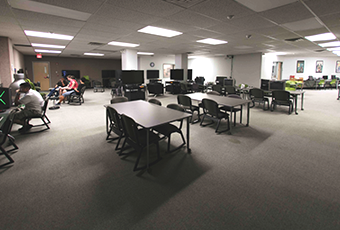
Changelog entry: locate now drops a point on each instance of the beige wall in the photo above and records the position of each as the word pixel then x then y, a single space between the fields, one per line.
pixel 91 67
pixel 18 60
pixel 5 64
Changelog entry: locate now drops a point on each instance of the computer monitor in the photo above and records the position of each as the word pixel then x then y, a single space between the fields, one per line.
pixel 5 99
pixel 333 76
pixel 229 82
pixel 177 74
pixel 152 74
pixel 132 77
pixel 189 74
pixel 75 73
pixel 220 80
pixel 325 77
pixel 277 85
pixel 264 84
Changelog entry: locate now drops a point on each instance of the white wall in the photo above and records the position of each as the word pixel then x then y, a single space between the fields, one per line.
pixel 19 61
pixel 247 69
pixel 159 60
pixel 209 67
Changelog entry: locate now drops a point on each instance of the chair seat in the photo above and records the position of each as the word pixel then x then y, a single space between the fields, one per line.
pixel 228 108
pixel 166 129
pixel 142 135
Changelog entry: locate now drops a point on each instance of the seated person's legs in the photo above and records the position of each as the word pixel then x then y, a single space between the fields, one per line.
pixel 62 97
pixel 21 116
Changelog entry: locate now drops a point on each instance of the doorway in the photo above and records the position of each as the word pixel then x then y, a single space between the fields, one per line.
pixel 277 70
pixel 41 73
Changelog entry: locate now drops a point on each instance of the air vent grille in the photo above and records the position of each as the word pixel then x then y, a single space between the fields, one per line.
pixel 96 44
pixel 319 51
pixel 294 39
pixel 22 45
pixel 184 3
pixel 75 55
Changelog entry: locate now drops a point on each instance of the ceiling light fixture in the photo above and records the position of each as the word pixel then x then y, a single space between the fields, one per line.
pixel 125 44
pixel 334 49
pixel 159 31
pixel 230 17
pixel 47 51
pixel 321 37
pixel 47 35
pixel 212 41
pixel 248 36
pixel 145 53
pixel 329 44
pixel 47 46
pixel 93 54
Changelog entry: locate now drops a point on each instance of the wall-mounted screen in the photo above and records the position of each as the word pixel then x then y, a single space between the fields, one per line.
pixel 189 74
pixel 152 74
pixel 75 73
pixel 132 77
pixel 177 74
pixel 5 98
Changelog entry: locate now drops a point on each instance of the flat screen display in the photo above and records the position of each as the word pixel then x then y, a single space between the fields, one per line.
pixel 189 74
pixel 152 74
pixel 177 74
pixel 75 73
pixel 229 82
pixel 5 98
pixel 132 77
pixel 220 80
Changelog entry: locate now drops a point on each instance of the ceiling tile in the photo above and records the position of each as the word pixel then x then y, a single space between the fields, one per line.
pixel 307 24
pixel 262 5
pixel 251 22
pixel 89 6
pixel 323 7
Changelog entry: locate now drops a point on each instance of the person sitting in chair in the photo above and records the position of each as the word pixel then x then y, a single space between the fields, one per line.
pixel 76 91
pixel 73 84
pixel 61 83
pixel 32 102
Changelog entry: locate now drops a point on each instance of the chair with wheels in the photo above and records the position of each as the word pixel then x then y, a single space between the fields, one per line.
pixel 42 116
pixel 212 112
pixel 185 101
pixel 168 129
pixel 114 125
pixel 155 101
pixel 4 135
pixel 137 138
pixel 257 95
pixel 281 97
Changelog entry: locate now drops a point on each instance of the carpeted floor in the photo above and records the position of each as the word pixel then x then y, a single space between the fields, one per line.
pixel 281 172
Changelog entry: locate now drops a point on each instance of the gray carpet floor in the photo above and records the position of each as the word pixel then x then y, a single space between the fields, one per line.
pixel 281 172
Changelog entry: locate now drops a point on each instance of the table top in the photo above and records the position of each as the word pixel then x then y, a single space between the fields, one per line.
pixel 148 115
pixel 229 101
pixel 297 92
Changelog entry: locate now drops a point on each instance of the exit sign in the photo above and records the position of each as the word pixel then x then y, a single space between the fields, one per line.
pixel 39 56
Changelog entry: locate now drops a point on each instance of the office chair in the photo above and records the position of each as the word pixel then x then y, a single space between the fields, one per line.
pixel 212 112
pixel 77 98
pixel 6 129
pixel 155 101
pixel 136 138
pixel 231 90
pixel 281 97
pixel 168 129
pixel 41 116
pixel 118 99
pixel 219 89
pixel 257 95
pixel 185 101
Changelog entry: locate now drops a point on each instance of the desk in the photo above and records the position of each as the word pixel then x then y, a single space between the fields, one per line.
pixel 149 115
pixel 228 101
pixel 295 95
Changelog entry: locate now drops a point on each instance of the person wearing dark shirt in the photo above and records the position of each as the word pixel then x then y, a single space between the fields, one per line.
pixel 76 91
pixel 61 83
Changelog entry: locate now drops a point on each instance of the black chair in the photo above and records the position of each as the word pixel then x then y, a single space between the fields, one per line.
pixel 137 138
pixel 235 110
pixel 4 134
pixel 168 129
pixel 281 97
pixel 77 98
pixel 231 90
pixel 114 125
pixel 257 95
pixel 219 89
pixel 185 101
pixel 41 116
pixel 118 99
pixel 212 112
pixel 155 101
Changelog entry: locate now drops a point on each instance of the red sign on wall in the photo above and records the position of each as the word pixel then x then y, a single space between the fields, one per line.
pixel 39 56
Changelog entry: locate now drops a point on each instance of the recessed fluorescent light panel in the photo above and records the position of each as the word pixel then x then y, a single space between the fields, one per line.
pixel 48 51
pixel 113 43
pixel 159 31
pixel 212 41
pixel 93 54
pixel 329 44
pixel 47 35
pixel 47 46
pixel 321 37
pixel 334 49
pixel 145 53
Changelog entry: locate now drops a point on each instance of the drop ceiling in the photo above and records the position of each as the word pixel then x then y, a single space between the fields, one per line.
pixel 98 22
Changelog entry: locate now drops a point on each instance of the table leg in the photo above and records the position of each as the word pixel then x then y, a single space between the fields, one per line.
pixel 188 135
pixel 302 97
pixel 231 119
pixel 107 123
pixel 248 113
pixel 295 102
pixel 147 148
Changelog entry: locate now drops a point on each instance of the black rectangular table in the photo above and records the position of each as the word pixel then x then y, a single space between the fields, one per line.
pixel 149 115
pixel 227 101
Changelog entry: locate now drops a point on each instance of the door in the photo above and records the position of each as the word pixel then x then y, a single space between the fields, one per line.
pixel 277 70
pixel 41 73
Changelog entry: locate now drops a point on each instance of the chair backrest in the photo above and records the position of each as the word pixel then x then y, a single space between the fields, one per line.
pixel 213 93
pixel 114 118
pixel 184 100
pixel 234 96
pixel 6 128
pixel 230 89
pixel 281 95
pixel 176 107
pixel 130 129
pixel 256 93
pixel 217 88
pixel 43 109
pixel 82 91
pixel 155 101
pixel 119 99
pixel 210 107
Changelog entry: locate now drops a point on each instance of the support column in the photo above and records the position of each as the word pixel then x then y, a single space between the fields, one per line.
pixel 181 62
pixel 129 60
pixel 5 61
